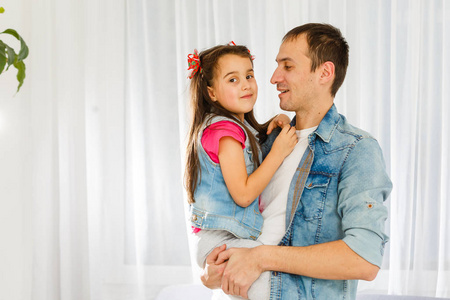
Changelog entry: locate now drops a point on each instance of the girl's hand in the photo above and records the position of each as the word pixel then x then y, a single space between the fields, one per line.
pixel 213 272
pixel 285 141
pixel 279 121
pixel 241 271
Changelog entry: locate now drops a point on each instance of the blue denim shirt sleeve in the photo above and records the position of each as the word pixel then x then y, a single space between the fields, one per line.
pixel 267 145
pixel 364 186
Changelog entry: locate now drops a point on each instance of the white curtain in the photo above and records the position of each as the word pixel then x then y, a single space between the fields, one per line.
pixel 102 119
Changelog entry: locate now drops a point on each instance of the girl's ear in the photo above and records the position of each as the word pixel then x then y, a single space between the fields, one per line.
pixel 211 93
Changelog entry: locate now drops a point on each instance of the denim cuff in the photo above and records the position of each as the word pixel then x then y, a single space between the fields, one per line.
pixel 366 244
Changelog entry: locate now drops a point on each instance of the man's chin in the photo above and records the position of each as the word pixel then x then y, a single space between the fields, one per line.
pixel 284 105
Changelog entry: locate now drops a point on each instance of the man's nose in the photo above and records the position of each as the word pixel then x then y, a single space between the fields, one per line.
pixel 275 77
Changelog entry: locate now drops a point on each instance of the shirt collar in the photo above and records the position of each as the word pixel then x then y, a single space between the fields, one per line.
pixel 328 124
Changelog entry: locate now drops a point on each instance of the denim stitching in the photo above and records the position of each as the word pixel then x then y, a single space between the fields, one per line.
pixel 299 185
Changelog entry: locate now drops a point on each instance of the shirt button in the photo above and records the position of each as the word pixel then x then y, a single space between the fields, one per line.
pixel 194 218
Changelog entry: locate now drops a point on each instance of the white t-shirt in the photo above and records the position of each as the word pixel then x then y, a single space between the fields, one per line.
pixel 274 199
pixel 275 195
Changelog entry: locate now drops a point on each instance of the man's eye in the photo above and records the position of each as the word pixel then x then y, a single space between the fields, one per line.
pixel 287 67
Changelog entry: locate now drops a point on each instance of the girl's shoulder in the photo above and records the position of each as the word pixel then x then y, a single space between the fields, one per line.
pixel 211 119
pixel 225 127
pixel 214 132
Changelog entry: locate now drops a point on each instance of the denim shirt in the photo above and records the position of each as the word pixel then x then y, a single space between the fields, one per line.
pixel 214 208
pixel 337 193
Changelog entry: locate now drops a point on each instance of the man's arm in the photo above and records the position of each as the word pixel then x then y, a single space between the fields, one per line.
pixel 363 187
pixel 332 260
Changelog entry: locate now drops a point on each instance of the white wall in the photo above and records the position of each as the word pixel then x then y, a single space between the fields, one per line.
pixel 15 180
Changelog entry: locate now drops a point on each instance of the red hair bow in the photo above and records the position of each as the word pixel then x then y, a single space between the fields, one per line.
pixel 233 44
pixel 194 63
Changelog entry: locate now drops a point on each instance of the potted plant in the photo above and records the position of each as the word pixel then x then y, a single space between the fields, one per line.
pixel 9 57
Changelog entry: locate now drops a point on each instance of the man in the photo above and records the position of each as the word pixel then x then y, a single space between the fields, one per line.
pixel 334 233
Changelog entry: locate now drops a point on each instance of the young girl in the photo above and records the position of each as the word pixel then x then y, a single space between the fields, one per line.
pixel 224 172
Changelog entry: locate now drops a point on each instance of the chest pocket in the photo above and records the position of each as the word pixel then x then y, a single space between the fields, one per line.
pixel 313 196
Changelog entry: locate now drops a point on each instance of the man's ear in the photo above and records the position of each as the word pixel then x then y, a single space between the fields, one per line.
pixel 327 74
pixel 211 93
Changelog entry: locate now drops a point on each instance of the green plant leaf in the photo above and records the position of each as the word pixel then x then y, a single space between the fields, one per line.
pixel 11 55
pixel 23 53
pixel 20 66
pixel 2 56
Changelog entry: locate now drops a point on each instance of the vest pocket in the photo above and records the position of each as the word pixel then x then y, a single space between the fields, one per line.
pixel 313 196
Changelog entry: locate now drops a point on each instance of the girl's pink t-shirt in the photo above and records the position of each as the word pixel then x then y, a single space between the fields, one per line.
pixel 211 137
pixel 213 133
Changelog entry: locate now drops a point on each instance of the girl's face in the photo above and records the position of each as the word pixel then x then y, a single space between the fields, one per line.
pixel 234 85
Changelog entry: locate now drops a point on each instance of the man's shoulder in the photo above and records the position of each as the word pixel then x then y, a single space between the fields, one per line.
pixel 345 128
pixel 345 135
pixel 334 128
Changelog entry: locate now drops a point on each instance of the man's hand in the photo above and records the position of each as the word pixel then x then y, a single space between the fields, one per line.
pixel 241 271
pixel 212 272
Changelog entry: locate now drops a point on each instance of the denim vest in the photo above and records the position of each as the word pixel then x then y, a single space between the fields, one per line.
pixel 214 208
pixel 337 193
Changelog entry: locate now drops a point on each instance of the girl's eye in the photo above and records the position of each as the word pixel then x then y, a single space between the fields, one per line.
pixel 250 76
pixel 233 80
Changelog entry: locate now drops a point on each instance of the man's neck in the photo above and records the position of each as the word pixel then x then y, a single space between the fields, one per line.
pixel 305 119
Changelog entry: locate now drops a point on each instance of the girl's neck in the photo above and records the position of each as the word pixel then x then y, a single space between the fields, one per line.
pixel 240 117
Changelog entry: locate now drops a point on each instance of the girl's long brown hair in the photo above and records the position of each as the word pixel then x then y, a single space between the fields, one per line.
pixel 203 107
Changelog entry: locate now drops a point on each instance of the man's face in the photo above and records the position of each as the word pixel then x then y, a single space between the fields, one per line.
pixel 296 83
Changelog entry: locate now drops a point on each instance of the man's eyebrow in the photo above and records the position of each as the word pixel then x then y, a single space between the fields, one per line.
pixel 284 59
pixel 232 72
